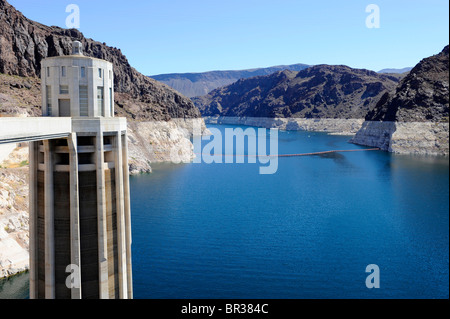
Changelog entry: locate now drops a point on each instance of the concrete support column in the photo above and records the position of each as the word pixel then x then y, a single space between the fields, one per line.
pixel 120 209
pixel 49 222
pixel 33 220
pixel 127 207
pixel 101 218
pixel 75 253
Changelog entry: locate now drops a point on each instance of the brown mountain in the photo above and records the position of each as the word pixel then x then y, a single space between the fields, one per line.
pixel 321 91
pixel 24 43
pixel 423 95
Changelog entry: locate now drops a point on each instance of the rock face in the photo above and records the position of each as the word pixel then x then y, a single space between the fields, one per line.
pixel 20 96
pixel 161 141
pixel 419 138
pixel 198 84
pixel 14 238
pixel 414 118
pixel 25 43
pixel 423 95
pixel 318 92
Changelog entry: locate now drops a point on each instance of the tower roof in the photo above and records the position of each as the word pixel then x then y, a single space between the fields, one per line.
pixel 77 48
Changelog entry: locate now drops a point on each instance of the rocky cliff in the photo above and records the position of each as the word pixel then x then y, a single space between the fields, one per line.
pixel 414 117
pixel 318 92
pixel 14 213
pixel 423 95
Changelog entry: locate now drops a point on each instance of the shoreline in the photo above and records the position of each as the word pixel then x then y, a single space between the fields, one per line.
pixel 12 276
pixel 328 125
pixel 413 138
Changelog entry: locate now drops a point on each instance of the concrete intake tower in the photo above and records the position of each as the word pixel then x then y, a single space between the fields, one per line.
pixel 80 224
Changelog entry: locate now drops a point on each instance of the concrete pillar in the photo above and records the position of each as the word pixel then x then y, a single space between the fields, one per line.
pixel 33 220
pixel 49 222
pixel 101 218
pixel 75 255
pixel 127 207
pixel 120 209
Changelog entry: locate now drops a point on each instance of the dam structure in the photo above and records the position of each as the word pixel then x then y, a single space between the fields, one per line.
pixel 79 203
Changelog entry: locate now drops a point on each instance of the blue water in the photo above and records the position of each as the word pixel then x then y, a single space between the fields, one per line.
pixel 17 287
pixel 308 231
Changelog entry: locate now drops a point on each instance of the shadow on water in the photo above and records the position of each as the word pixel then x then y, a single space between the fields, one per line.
pixel 334 156
pixel 16 287
pixel 338 158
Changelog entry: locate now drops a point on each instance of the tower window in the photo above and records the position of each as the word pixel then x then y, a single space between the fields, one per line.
pixel 100 97
pixel 84 111
pixel 83 72
pixel 63 71
pixel 111 105
pixel 48 92
pixel 63 89
pixel 48 71
pixel 100 73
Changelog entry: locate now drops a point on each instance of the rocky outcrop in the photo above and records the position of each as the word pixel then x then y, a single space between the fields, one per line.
pixel 375 134
pixel 161 141
pixel 20 96
pixel 13 214
pixel 321 91
pixel 414 118
pixel 422 96
pixel 198 84
pixel 419 138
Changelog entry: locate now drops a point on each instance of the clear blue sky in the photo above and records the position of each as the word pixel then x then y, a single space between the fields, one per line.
pixel 176 36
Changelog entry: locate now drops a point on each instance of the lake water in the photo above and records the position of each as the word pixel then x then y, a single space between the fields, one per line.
pixel 308 231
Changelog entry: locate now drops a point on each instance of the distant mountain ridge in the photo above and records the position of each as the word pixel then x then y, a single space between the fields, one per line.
pixel 198 84
pixel 321 91
pixel 393 70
